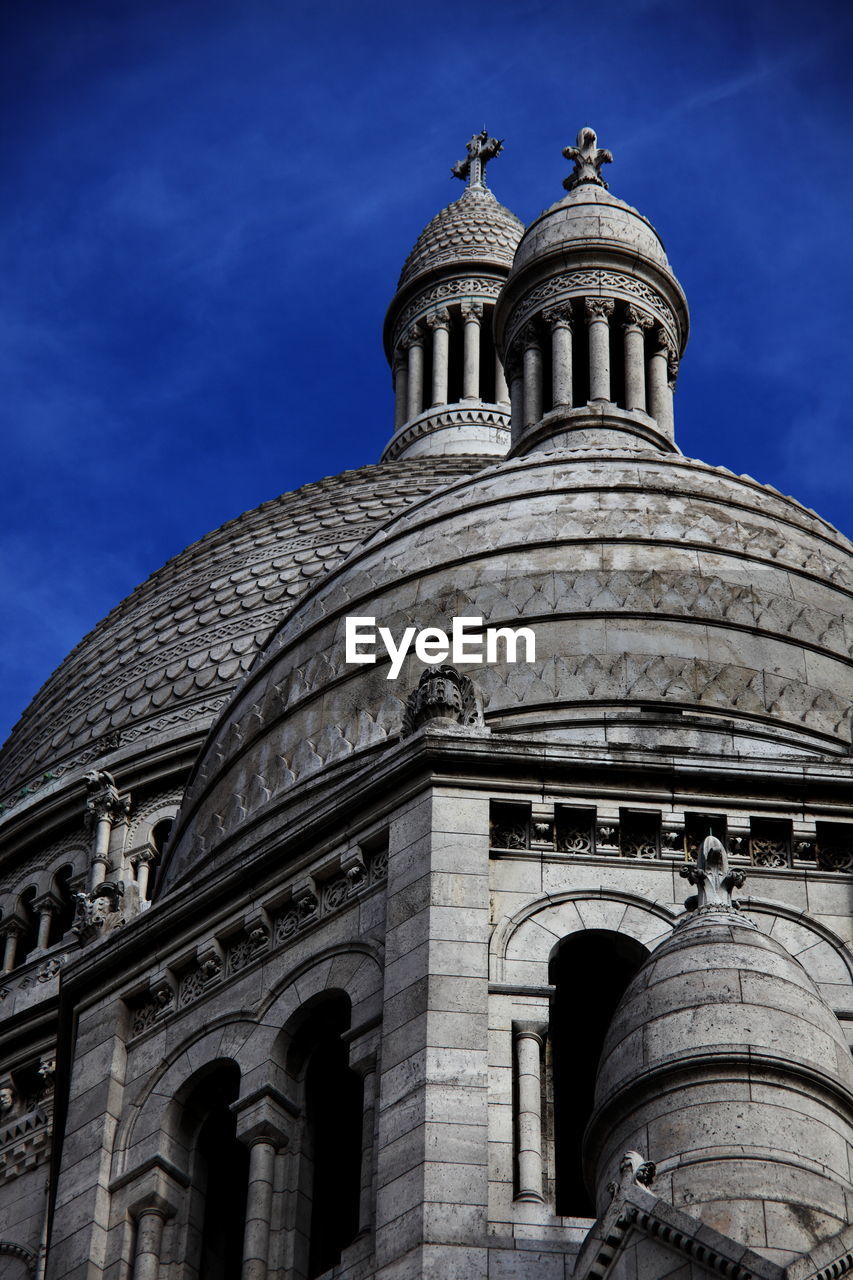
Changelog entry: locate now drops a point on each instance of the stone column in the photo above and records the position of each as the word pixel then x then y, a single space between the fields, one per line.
pixel 401 387
pixel 633 329
pixel 149 1239
pixel 472 314
pixel 12 929
pixel 141 863
pixel 515 377
pixel 661 361
pixel 366 1068
pixel 529 1038
pixel 263 1124
pixel 256 1240
pixel 532 375
pixel 560 320
pixel 415 380
pixel 501 388
pixel 47 906
pixel 598 313
pixel 440 325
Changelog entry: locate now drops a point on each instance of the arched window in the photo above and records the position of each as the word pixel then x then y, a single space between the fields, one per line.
pixel 331 1136
pixel 157 838
pixel 64 917
pixel 590 971
pixel 29 937
pixel 219 1172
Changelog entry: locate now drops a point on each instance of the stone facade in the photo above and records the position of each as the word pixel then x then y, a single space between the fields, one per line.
pixel 307 971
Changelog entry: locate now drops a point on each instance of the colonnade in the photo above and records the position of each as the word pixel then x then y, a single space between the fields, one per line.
pixel 648 357
pixel 437 334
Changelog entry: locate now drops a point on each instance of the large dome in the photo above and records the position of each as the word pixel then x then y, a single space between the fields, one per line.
pixel 164 662
pixel 474 227
pixel 676 606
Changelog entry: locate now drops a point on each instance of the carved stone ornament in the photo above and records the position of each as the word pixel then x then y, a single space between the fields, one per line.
pixel 559 317
pixel 637 319
pixel 98 911
pixel 713 878
pixel 439 319
pixel 442 695
pixel 588 158
pixel 472 311
pixel 480 150
pixel 634 1170
pixel 103 799
pixel 529 336
pixel 598 308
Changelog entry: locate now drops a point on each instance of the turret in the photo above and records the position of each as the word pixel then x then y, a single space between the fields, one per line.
pixel 591 322
pixel 449 387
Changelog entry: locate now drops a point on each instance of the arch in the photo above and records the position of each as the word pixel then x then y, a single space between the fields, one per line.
pixel 254 1040
pixel 10 1249
pixel 826 958
pixel 580 1015
pixel 522 943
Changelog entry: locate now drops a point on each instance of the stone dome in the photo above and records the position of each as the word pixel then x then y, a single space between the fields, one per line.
pixel 473 228
pixel 675 606
pixel 724 1065
pixel 590 217
pixel 164 662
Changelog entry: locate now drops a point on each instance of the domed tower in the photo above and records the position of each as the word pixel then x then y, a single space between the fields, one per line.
pixel 450 392
pixel 354 1029
pixel 726 1065
pixel 592 321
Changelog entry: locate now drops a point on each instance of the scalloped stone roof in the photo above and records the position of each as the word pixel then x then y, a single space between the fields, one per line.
pixel 475 227
pixel 168 657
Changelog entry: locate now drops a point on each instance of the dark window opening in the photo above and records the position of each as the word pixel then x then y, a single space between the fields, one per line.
pixel 590 971
pixel 617 359
pixel 698 826
pixel 331 1145
pixel 29 937
pixel 770 842
pixel 580 361
pixel 509 825
pixel 547 371
pixel 220 1176
pixel 639 833
pixel 159 837
pixel 64 917
pixel 487 357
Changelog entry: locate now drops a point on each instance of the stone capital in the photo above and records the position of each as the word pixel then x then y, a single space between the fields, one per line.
pixel 414 336
pixel 558 317
pixel 598 309
pixel 636 319
pixel 439 319
pixel 472 311
pixel 266 1115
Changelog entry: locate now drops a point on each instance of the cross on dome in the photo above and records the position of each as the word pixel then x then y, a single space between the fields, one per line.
pixel 481 149
pixel 588 158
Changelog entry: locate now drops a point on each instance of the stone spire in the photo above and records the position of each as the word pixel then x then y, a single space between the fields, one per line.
pixel 481 149
pixel 588 158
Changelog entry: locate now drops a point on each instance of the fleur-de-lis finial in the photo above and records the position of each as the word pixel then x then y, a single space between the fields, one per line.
pixel 588 158
pixel 481 149
pixel 712 877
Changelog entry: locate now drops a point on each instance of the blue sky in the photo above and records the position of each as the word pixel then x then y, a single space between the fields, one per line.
pixel 204 208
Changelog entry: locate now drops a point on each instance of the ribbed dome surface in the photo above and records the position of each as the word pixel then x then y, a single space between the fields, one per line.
pixel 648 578
pixel 168 657
pixel 475 227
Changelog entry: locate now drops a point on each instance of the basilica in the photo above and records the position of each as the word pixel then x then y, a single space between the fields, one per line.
pixel 529 961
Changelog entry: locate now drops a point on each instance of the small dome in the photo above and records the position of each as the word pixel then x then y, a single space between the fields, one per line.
pixel 475 227
pixel 725 1066
pixel 590 216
